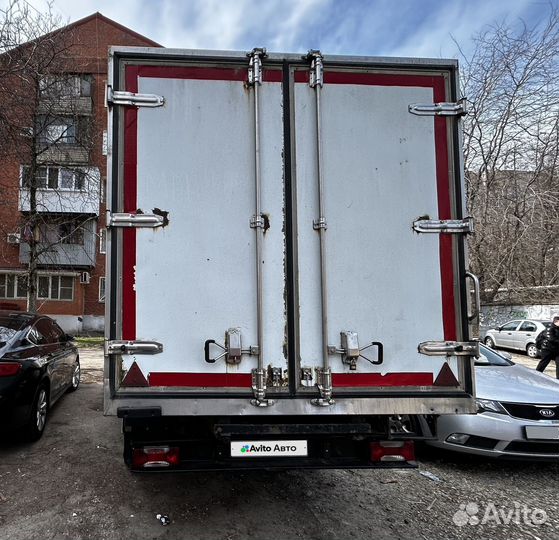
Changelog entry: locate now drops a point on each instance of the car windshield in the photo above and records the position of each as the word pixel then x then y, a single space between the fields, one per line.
pixel 488 357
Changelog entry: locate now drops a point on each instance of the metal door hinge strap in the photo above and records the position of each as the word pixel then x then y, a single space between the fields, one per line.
pixel 439 109
pixel 316 76
pixel 450 226
pixel 449 348
pixel 135 220
pixel 133 347
pixel 255 65
pixel 120 97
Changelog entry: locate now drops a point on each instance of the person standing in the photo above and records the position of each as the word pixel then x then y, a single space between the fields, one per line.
pixel 550 346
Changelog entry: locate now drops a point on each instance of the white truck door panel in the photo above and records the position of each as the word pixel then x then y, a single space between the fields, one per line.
pixel 384 279
pixel 195 278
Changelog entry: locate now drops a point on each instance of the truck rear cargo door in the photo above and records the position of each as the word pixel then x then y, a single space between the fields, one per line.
pixel 286 223
pixel 382 169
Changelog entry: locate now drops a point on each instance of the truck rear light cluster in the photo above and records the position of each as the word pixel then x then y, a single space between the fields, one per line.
pixel 392 451
pixel 155 456
pixel 8 369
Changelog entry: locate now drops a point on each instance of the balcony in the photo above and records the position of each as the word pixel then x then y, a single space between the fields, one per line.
pixel 64 153
pixel 74 105
pixel 66 255
pixel 65 191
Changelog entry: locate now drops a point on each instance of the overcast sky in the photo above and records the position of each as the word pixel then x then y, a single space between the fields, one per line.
pixel 364 27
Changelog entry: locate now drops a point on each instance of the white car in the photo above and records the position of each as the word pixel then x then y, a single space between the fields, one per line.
pixel 519 334
pixel 518 413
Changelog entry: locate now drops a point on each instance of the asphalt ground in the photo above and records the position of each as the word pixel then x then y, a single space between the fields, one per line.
pixel 73 484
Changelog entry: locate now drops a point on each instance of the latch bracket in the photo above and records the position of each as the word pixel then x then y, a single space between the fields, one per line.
pixel 133 347
pixel 150 221
pixel 459 108
pixel 351 352
pixel 448 226
pixel 120 97
pixel 232 350
pixel 449 348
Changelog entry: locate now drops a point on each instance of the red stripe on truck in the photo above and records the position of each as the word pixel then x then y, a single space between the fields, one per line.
pixel 202 380
pixel 349 380
pixel 244 380
pixel 206 74
pixel 130 205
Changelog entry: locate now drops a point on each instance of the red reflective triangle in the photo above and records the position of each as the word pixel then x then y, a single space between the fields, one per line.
pixel 134 377
pixel 446 377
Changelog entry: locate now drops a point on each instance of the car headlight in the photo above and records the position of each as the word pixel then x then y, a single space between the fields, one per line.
pixel 488 405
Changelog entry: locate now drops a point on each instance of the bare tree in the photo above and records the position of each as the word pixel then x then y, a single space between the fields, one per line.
pixel 511 152
pixel 45 128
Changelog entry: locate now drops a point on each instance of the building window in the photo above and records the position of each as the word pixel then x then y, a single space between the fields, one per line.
pixel 57 130
pixel 101 289
pixel 103 241
pixel 13 286
pixel 55 288
pixel 55 178
pixel 60 86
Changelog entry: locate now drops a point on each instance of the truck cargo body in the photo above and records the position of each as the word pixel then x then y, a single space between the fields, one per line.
pixel 285 256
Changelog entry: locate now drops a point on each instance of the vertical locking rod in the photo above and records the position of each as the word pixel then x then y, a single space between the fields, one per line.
pixel 257 222
pixel 316 81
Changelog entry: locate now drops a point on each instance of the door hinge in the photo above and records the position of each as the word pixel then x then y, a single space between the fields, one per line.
pixel 449 348
pixel 255 65
pixel 150 221
pixel 458 108
pixel 120 97
pixel 316 74
pixel 133 347
pixel 449 226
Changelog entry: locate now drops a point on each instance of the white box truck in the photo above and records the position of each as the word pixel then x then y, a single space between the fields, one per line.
pixel 286 275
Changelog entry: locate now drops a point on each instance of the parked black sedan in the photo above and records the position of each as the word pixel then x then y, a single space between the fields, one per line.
pixel 38 364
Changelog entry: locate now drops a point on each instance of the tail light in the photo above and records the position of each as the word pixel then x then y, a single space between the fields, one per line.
pixel 155 456
pixel 8 369
pixel 392 451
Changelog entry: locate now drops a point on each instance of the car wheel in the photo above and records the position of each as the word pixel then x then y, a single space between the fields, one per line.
pixel 532 350
pixel 38 418
pixel 76 377
pixel 489 342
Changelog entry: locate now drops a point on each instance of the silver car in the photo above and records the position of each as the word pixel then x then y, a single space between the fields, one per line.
pixel 519 334
pixel 518 413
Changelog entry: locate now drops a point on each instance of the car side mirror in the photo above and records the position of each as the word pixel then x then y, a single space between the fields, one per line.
pixel 68 337
pixel 499 328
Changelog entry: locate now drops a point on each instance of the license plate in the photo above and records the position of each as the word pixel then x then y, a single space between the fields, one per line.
pixel 254 449
pixel 542 432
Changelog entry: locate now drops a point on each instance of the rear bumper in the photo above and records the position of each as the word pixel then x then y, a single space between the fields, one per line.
pixel 204 443
pixel 180 403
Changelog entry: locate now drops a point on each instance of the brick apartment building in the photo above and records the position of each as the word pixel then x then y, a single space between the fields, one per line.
pixel 70 281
